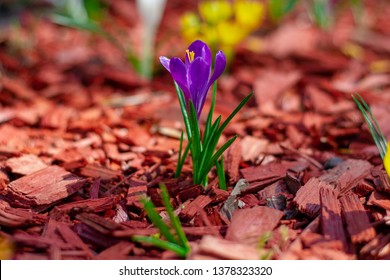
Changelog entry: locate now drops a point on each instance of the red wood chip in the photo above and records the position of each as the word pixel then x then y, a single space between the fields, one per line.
pixel 43 187
pixel 102 172
pixel 25 164
pixel 331 221
pixel 90 205
pixel 224 249
pixel 119 251
pixel 134 194
pixel 71 237
pixel 379 199
pixel 249 224
pixel 381 180
pixel 377 247
pixel 358 224
pixel 351 171
pixel 194 206
pixel 232 161
pixel 13 217
pixel 267 171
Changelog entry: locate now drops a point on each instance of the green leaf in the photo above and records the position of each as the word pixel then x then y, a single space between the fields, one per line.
pixel 196 144
pixel 221 173
pixel 210 144
pixel 182 252
pixel 89 26
pixel 373 126
pixel 238 108
pixel 321 11
pixel 157 221
pixel 182 156
pixel 183 107
pixel 279 8
pixel 95 9
pixel 210 114
pixel 216 156
pixel 174 219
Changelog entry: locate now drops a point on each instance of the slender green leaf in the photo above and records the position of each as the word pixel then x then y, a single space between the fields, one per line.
pixel 196 146
pixel 89 26
pixel 182 156
pixel 210 144
pixel 210 114
pixel 231 116
pixel 216 156
pixel 279 8
pixel 221 173
pixel 157 221
pixel 94 9
pixel 166 245
pixel 322 13
pixel 373 126
pixel 183 107
pixel 174 219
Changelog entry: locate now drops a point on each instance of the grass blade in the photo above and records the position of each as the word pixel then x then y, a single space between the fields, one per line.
pixel 206 169
pixel 182 252
pixel 175 222
pixel 157 221
pixel 221 173
pixel 183 107
pixel 210 114
pixel 179 161
pixel 182 156
pixel 231 116
pixel 196 146
pixel 373 126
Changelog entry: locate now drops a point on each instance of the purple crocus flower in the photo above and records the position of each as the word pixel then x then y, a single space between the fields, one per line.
pixel 194 76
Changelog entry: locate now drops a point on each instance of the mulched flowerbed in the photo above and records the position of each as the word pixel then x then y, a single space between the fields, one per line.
pixel 82 138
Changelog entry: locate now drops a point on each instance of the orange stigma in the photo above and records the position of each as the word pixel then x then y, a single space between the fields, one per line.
pixel 190 55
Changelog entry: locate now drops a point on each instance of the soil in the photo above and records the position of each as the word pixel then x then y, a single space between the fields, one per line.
pixel 83 138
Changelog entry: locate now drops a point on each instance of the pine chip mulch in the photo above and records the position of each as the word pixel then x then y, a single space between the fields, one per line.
pixel 83 138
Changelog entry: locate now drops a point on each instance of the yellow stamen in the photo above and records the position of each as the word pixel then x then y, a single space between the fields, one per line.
pixel 190 55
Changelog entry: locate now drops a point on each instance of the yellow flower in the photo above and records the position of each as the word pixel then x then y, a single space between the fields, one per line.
pixel 214 12
pixel 230 33
pixel 210 35
pixel 190 26
pixel 386 159
pixel 249 14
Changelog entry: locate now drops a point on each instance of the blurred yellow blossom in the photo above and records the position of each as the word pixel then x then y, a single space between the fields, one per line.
pixel 214 12
pixel 248 14
pixel 223 24
pixel 191 25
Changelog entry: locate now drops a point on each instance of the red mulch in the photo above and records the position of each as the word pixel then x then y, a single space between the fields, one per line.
pixel 82 138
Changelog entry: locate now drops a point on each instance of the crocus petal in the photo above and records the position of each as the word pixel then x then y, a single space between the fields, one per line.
pixel 179 74
pixel 165 62
pixel 198 77
pixel 219 67
pixel 200 49
pixel 220 64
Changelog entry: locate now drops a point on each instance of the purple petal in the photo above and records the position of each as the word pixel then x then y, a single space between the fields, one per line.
pixel 198 77
pixel 220 64
pixel 200 49
pixel 179 73
pixel 219 67
pixel 165 62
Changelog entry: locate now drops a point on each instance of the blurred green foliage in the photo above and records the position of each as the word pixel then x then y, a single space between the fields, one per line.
pixel 322 12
